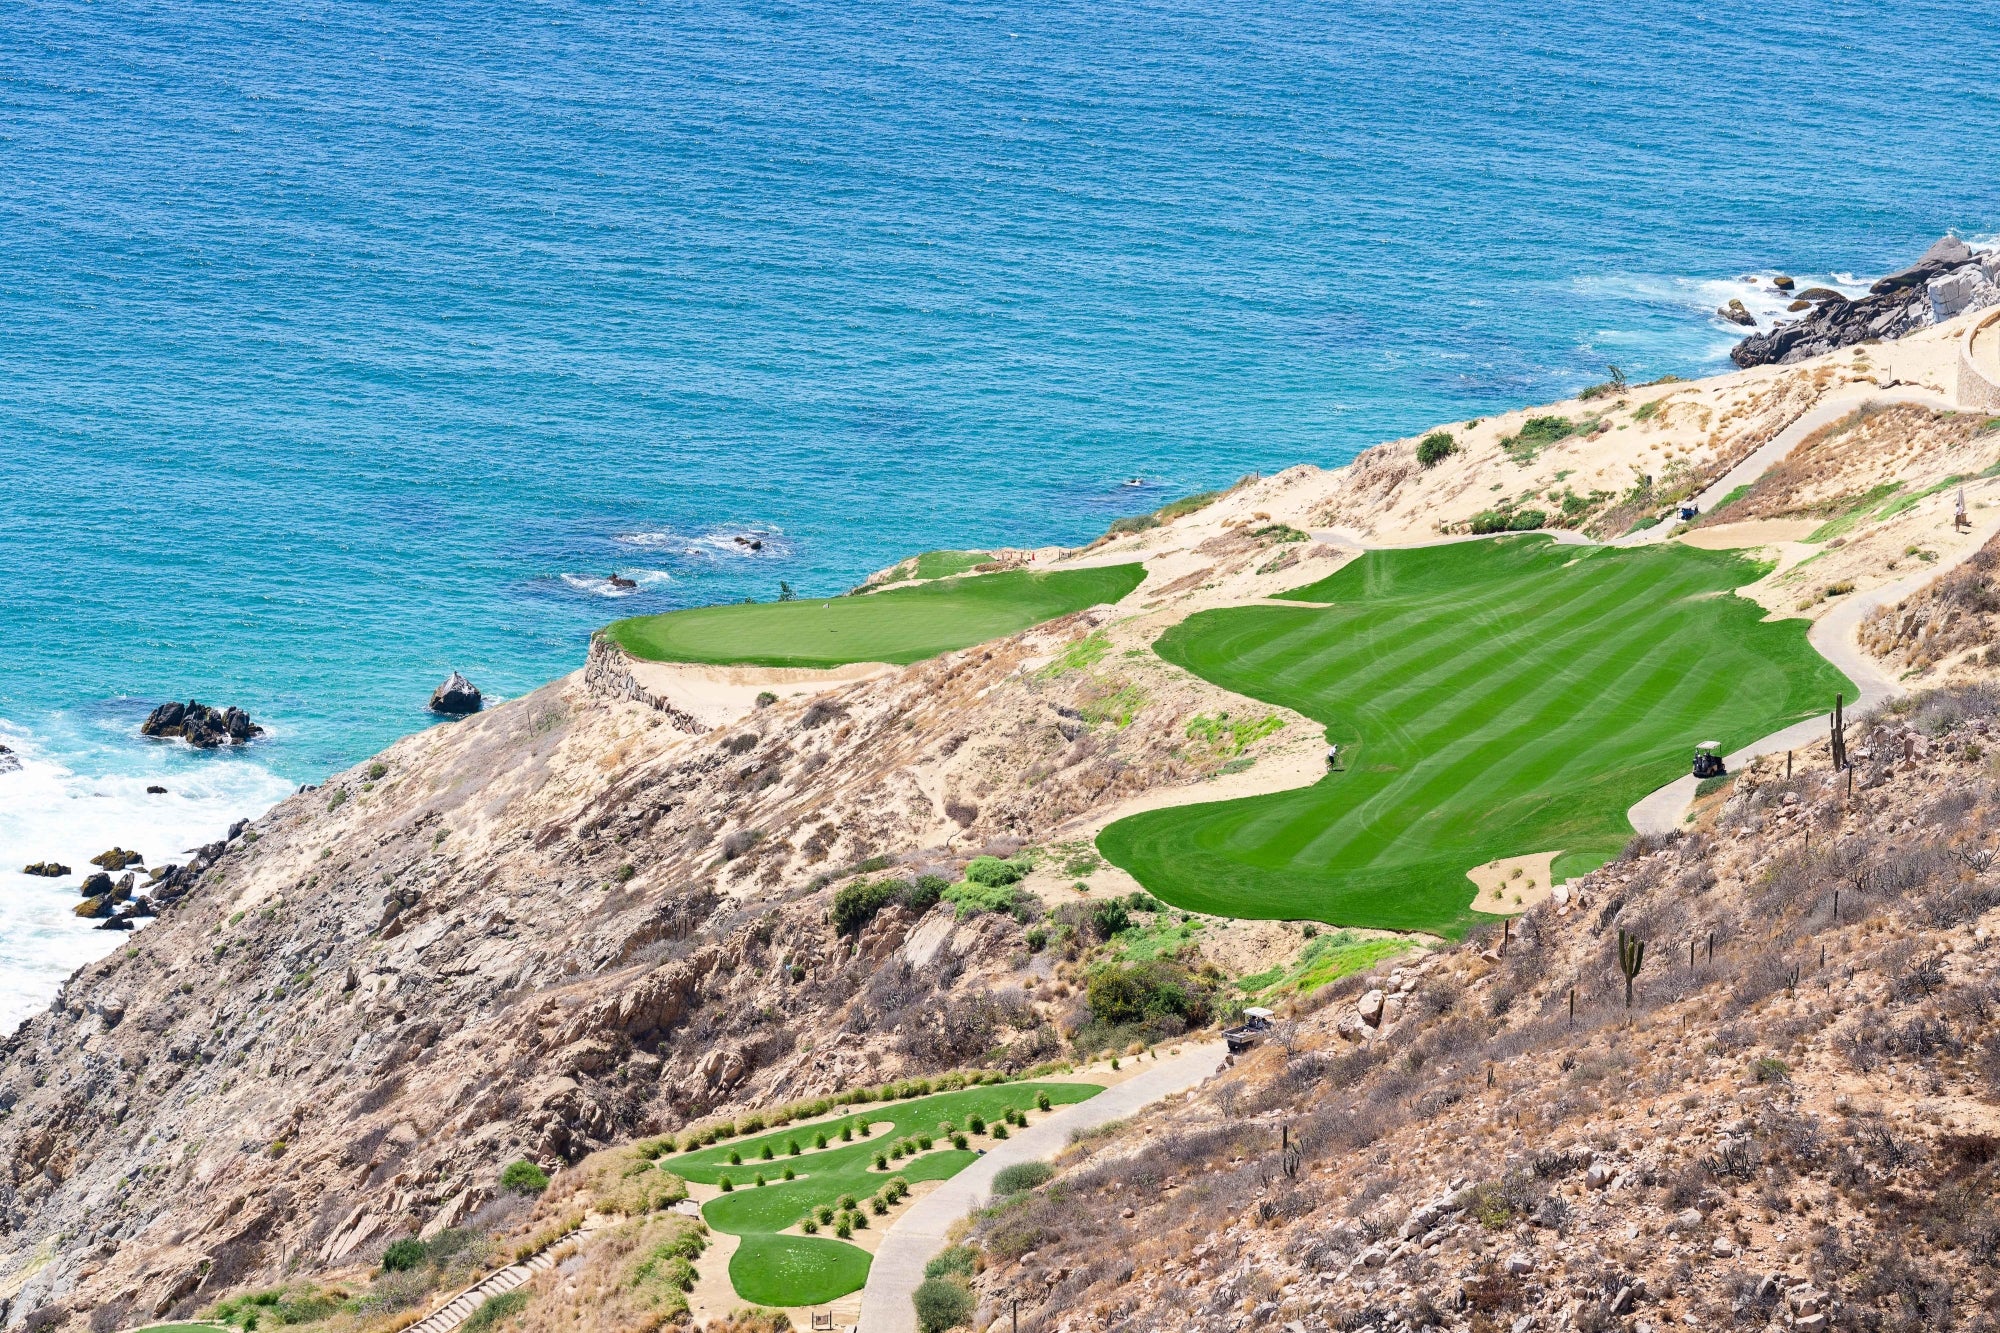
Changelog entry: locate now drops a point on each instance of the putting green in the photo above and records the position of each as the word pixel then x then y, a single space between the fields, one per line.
pixel 1489 699
pixel 774 1267
pixel 899 625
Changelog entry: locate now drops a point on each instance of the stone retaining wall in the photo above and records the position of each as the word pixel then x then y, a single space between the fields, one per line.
pixel 1979 365
pixel 607 673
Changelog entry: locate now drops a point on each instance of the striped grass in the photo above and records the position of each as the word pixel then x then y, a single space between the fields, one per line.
pixel 1490 699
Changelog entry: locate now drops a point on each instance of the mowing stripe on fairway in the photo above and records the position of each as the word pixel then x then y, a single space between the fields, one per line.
pixel 900 625
pixel 1490 699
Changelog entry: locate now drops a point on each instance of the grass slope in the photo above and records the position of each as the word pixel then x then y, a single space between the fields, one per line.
pixel 1489 699
pixel 772 1267
pixel 899 625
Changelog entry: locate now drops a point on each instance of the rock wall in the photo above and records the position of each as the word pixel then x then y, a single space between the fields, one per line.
pixel 607 673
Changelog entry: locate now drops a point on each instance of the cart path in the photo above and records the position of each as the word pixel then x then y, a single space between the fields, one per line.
pixel 1834 636
pixel 1778 447
pixel 919 1234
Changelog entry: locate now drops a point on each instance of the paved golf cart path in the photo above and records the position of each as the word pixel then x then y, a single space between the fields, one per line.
pixel 1775 450
pixel 1833 636
pixel 919 1234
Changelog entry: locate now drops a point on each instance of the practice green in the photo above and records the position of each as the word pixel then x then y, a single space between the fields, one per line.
pixel 773 1267
pixel 1489 699
pixel 899 625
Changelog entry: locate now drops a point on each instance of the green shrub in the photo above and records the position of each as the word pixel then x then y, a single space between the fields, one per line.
pixel 960 1259
pixel 976 1124
pixel 404 1255
pixel 524 1177
pixel 1139 991
pixel 972 898
pixel 1000 1131
pixel 1022 1176
pixel 504 1306
pixel 1041 1101
pixel 1108 918
pixel 810 1226
pixel 1435 447
pixel 942 1304
pixel 844 1228
pixel 994 872
pixel 725 1184
pixel 825 1215
pixel 959 1141
pixel 855 905
pixel 735 1157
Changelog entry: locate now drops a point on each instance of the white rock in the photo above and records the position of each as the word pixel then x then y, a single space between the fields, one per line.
pixel 1959 290
pixel 1560 893
pixel 1518 1264
pixel 1722 1248
pixel 1392 1007
pixel 1688 1219
pixel 1370 1007
pixel 1599 1175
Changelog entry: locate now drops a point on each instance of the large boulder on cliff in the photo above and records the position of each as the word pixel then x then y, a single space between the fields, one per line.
pixel 199 725
pixel 1947 254
pixel 456 697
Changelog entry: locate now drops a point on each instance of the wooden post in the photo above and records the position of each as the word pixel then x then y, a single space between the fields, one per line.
pixel 1711 946
pixel 1788 765
pixel 1836 907
pixel 1572 1006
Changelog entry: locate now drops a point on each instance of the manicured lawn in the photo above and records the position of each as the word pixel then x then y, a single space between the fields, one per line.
pixel 776 1267
pixel 899 625
pixel 1489 699
pixel 944 564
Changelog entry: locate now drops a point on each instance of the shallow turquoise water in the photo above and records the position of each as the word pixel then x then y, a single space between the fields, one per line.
pixel 350 343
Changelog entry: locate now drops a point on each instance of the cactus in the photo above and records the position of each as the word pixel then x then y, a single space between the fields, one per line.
pixel 1631 953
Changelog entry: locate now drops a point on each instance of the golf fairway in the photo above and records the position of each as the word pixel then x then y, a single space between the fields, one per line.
pixel 1490 699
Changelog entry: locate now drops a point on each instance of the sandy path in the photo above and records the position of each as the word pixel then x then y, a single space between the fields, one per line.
pixel 1762 459
pixel 920 1233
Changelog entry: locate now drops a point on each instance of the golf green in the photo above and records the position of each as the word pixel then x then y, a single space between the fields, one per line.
pixel 774 1267
pixel 899 625
pixel 1489 699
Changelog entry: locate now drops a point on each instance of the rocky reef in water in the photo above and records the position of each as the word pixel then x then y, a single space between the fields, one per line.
pixel 1947 280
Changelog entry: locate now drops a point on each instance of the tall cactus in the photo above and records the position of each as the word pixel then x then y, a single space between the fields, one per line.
pixel 1631 953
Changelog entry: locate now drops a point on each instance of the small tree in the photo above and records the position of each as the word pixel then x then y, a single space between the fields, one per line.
pixel 1435 447
pixel 524 1177
pixel 785 593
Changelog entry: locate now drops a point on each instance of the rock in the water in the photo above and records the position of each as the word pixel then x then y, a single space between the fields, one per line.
pixel 1821 296
pixel 1738 313
pixel 199 725
pixel 156 791
pixel 618 581
pixel 96 886
pixel 117 859
pixel 1782 282
pixel 456 696
pixel 1797 306
pixel 9 761
pixel 93 907
pixel 46 869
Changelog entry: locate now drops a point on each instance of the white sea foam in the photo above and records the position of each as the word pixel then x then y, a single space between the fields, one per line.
pixel 49 812
pixel 726 541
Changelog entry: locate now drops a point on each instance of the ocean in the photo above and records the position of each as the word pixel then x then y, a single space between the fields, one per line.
pixel 347 344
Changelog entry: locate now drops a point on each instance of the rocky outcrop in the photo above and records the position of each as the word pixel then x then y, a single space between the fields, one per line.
pixel 9 761
pixel 46 869
pixel 456 697
pixel 117 859
pixel 1948 279
pixel 607 673
pixel 1737 313
pixel 199 725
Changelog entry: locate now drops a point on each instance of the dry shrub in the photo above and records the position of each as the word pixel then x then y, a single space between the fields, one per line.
pixel 616 1180
pixel 627 1279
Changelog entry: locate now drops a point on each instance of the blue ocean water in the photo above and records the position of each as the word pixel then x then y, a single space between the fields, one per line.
pixel 348 343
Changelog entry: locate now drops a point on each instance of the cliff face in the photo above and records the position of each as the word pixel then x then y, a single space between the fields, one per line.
pixel 560 923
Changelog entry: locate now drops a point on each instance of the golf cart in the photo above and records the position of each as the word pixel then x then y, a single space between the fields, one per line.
pixel 1708 760
pixel 1241 1039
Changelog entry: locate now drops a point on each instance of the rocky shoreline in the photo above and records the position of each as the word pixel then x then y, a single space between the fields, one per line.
pixel 1947 280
